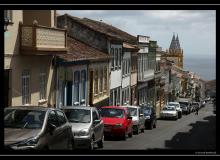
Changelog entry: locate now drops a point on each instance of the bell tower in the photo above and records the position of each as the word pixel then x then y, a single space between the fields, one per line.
pixel 175 52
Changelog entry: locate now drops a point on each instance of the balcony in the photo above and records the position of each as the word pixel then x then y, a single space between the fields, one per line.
pixel 41 40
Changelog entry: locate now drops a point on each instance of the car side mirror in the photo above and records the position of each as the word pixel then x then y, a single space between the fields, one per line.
pixel 141 115
pixel 51 128
pixel 129 117
pixel 96 121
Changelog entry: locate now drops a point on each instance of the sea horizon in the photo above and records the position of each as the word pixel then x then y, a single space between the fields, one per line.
pixel 205 67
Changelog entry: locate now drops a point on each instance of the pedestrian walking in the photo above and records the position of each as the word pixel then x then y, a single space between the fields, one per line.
pixel 197 110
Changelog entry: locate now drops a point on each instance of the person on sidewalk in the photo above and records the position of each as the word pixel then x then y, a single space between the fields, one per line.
pixel 197 110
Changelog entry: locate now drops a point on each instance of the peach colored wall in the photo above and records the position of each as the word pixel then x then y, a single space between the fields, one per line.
pixel 133 78
pixel 11 37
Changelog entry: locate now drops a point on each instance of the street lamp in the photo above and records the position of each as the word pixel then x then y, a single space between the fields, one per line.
pixel 6 24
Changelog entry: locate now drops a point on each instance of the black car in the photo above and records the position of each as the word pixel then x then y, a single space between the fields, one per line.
pixel 186 109
pixel 150 117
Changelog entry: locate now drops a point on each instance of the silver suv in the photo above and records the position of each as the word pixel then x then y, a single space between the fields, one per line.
pixel 87 126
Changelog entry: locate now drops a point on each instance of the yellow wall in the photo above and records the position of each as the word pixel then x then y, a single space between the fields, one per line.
pixel 11 37
pixel 44 17
pixel 33 63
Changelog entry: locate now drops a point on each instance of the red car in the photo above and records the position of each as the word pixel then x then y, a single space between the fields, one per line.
pixel 117 121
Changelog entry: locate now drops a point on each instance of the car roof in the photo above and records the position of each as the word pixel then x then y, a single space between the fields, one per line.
pixel 39 108
pixel 115 107
pixel 173 102
pixel 170 106
pixel 78 107
pixel 131 106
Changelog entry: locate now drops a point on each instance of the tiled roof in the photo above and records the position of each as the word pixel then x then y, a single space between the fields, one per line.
pixel 80 51
pixel 109 30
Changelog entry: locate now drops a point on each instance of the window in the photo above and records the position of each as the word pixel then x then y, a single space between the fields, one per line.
pixel 61 118
pixel 94 116
pixel 116 57
pixel 52 118
pixel 83 88
pixel 105 79
pixel 112 54
pixel 42 83
pixel 76 87
pixel 111 98
pixel 118 96
pixel 96 82
pixel 115 97
pixel 101 81
pixel 8 15
pixel 26 87
pixel 120 55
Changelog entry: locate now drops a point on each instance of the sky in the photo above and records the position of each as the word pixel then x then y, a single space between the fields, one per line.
pixel 196 28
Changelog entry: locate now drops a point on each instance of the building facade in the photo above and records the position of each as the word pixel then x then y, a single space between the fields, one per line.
pixel 29 54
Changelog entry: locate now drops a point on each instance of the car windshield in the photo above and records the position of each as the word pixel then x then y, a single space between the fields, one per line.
pixel 78 115
pixel 173 104
pixel 112 112
pixel 185 103
pixel 132 111
pixel 20 118
pixel 146 111
pixel 169 109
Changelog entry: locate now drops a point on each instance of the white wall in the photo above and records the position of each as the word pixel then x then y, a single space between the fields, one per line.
pixel 115 79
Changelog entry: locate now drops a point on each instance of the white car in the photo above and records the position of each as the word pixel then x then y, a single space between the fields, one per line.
pixel 137 118
pixel 169 112
pixel 178 108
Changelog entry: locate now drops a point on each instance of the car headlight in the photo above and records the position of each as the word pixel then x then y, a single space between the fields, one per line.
pixel 83 132
pixel 147 117
pixel 28 142
pixel 119 125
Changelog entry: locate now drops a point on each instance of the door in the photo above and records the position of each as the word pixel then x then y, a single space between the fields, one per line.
pixel 97 127
pixel 91 88
pixel 7 87
pixel 129 122
pixel 69 93
pixel 53 137
pixel 63 131
pixel 141 118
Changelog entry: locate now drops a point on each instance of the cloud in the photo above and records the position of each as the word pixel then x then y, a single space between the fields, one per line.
pixel 196 28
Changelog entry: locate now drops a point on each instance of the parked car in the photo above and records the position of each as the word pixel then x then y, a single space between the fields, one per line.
pixel 87 126
pixel 137 118
pixel 185 106
pixel 169 112
pixel 150 117
pixel 117 121
pixel 36 128
pixel 196 104
pixel 178 108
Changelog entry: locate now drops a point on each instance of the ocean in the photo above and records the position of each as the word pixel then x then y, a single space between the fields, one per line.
pixel 204 67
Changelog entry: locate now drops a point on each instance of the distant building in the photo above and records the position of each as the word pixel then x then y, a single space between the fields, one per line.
pixel 175 52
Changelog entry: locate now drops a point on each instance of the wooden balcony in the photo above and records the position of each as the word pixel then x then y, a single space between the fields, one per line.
pixel 41 40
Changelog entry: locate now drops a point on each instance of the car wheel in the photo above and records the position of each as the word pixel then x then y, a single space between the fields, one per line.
pixel 72 144
pixel 124 136
pixel 100 143
pixel 155 124
pixel 151 126
pixel 91 146
pixel 130 134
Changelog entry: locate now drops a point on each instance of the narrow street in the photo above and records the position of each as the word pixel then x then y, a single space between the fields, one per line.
pixel 189 132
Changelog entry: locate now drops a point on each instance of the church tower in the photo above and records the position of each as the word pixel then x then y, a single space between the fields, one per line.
pixel 175 52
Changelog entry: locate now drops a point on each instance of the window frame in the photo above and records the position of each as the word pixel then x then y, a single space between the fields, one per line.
pixel 76 97
pixel 26 78
pixel 43 77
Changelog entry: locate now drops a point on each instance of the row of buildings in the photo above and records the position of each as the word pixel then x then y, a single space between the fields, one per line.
pixel 52 60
